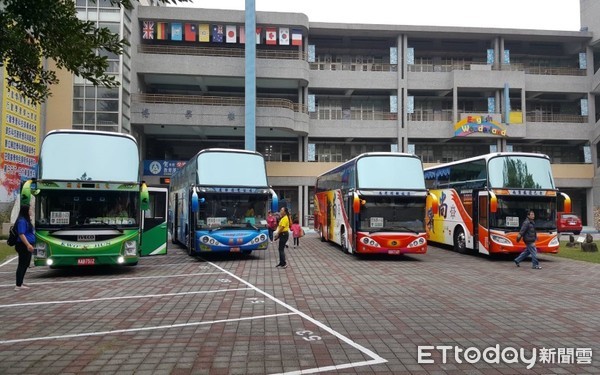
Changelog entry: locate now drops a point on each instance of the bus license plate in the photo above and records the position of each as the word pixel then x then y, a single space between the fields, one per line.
pixel 235 249
pixel 393 252
pixel 86 261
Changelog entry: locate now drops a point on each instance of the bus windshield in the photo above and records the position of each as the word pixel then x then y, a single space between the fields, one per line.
pixel 231 169
pixel 392 214
pixel 512 210
pixel 72 156
pixel 236 210
pixel 520 171
pixel 86 208
pixel 390 172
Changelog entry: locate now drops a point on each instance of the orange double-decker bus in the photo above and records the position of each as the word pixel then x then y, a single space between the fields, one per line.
pixel 374 203
pixel 483 201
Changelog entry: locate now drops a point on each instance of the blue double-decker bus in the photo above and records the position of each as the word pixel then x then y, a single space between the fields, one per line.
pixel 219 202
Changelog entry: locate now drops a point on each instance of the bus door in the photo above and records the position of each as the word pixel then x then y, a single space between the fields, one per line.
pixel 154 232
pixel 483 215
pixel 475 218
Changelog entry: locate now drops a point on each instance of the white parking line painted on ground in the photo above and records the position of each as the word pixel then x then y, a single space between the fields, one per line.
pixel 332 367
pixel 376 359
pixel 83 280
pixel 168 326
pixel 123 297
pixel 8 261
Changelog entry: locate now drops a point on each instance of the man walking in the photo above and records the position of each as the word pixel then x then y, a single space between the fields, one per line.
pixel 529 236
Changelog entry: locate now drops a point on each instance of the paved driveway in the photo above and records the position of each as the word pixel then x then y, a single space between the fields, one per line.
pixel 328 312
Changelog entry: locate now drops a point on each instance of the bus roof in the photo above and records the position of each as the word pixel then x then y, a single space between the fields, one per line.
pixel 486 157
pixel 367 154
pixel 90 132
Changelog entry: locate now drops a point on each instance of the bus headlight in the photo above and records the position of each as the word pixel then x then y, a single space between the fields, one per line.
pixel 370 242
pixel 501 240
pixel 418 242
pixel 40 249
pixel 208 240
pixel 554 242
pixel 49 262
pixel 121 260
pixel 258 239
pixel 130 248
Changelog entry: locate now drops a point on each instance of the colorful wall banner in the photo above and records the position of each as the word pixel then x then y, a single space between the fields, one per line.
pixel 479 126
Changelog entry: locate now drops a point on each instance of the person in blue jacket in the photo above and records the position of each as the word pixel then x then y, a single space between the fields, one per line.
pixel 529 236
pixel 25 244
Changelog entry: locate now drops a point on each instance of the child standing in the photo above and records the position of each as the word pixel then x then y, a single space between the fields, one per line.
pixel 296 232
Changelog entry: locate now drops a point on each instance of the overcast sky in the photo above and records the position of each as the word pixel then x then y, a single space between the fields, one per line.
pixel 520 14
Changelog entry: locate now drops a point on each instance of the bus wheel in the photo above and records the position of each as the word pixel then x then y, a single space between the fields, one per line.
pixel 188 242
pixel 460 243
pixel 343 242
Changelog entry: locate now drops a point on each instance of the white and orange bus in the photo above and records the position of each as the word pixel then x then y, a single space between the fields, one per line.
pixel 483 201
pixel 374 203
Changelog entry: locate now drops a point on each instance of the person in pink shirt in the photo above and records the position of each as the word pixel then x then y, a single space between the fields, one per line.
pixel 297 232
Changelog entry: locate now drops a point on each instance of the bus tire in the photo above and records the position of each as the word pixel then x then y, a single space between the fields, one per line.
pixel 460 242
pixel 343 242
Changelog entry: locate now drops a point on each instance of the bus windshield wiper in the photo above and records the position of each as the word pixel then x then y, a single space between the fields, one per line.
pixel 72 226
pixel 394 229
pixel 111 226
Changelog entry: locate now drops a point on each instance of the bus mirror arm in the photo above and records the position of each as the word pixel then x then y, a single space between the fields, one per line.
pixel 356 203
pixel 434 203
pixel 195 201
pixel 567 203
pixel 493 202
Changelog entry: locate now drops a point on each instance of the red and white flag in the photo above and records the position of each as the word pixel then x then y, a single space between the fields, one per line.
pixel 284 36
pixel 271 35
pixel 231 33
pixel 258 34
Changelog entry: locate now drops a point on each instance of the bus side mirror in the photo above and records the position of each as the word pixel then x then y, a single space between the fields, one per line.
pixel 356 203
pixel 433 203
pixel 144 197
pixel 195 201
pixel 274 201
pixel 26 193
pixel 567 203
pixel 493 202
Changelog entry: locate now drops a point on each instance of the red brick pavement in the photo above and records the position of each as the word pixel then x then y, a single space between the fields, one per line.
pixel 327 312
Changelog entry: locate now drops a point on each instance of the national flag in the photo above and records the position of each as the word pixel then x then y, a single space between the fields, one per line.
pixel 161 30
pixel 296 37
pixel 190 32
pixel 217 33
pixel 284 36
pixel 148 30
pixel 176 31
pixel 271 35
pixel 231 34
pixel 258 34
pixel 204 32
pixel 242 35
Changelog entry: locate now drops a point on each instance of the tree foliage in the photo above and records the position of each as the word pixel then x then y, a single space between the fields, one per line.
pixel 34 30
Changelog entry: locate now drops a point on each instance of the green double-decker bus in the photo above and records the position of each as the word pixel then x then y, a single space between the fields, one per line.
pixel 89 199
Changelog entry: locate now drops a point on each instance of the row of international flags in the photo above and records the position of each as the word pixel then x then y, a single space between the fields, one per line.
pixel 203 32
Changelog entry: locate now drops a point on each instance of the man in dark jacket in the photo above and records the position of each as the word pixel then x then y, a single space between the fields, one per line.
pixel 529 236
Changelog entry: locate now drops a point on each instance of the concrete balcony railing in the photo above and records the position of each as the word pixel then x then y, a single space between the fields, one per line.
pixel 220 52
pixel 217 101
pixel 354 67
pixel 555 117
